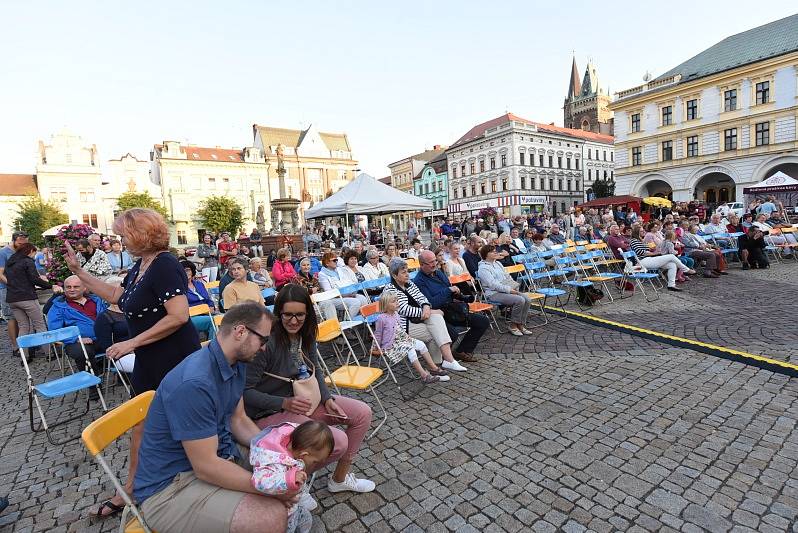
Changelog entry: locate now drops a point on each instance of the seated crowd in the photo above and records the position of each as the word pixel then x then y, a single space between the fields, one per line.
pixel 206 457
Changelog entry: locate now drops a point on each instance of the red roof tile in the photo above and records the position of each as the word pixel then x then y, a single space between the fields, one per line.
pixel 479 130
pixel 199 153
pixel 17 184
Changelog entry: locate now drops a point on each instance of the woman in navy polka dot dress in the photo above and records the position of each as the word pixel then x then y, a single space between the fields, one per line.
pixel 153 299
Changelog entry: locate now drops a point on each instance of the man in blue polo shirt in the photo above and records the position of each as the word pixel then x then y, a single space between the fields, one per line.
pixel 191 474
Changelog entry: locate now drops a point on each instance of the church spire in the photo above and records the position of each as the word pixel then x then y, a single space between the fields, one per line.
pixel 574 88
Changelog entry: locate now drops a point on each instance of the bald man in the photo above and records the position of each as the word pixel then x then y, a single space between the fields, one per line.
pixel 74 308
pixel 434 284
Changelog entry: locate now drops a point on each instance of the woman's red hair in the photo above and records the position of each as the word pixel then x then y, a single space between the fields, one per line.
pixel 144 230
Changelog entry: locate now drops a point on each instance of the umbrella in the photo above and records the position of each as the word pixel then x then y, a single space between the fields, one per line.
pixel 657 201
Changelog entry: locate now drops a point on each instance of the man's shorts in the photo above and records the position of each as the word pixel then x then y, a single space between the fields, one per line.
pixel 190 504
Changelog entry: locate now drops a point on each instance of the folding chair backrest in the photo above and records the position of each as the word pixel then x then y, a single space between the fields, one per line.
pixel 201 309
pixel 109 427
pixel 413 264
pixel 370 309
pixel 47 337
pixel 375 283
pixel 518 259
pixel 268 292
pixel 217 320
pixel 535 266
pixel 581 243
pixel 329 327
pixel 212 285
pixel 325 296
pixel 414 274
pixel 460 278
pixel 351 289
pixel 514 269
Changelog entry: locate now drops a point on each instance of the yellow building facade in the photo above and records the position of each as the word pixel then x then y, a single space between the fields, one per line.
pixel 721 121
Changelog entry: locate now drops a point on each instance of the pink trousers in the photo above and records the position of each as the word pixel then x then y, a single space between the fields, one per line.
pixel 348 442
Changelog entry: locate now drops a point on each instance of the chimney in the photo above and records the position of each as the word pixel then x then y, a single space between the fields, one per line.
pixel 436 147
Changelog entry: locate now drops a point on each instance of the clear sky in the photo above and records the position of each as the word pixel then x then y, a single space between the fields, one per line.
pixel 398 77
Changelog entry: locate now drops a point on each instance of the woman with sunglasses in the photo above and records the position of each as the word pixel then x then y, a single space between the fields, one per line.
pixel 270 401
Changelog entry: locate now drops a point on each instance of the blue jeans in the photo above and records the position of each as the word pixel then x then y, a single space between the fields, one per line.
pixel 204 324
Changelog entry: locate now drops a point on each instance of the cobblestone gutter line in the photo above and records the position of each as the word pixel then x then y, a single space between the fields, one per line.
pixel 765 363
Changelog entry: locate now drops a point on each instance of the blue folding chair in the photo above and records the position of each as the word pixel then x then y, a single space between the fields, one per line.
pixel 638 274
pixel 57 388
pixel 271 291
pixel 372 284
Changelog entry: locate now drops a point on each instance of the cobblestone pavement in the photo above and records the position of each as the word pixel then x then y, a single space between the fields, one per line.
pixel 574 428
pixel 751 310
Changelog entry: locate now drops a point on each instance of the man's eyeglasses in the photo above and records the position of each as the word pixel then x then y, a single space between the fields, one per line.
pixel 298 317
pixel 263 338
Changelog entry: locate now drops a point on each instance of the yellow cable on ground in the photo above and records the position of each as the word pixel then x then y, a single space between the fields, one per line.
pixel 766 363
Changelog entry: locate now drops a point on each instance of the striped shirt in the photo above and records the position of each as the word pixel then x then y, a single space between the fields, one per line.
pixel 639 248
pixel 406 309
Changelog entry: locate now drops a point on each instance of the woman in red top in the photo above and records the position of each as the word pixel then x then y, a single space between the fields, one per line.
pixel 282 271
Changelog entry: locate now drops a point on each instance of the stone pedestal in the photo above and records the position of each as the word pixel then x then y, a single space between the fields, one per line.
pixel 276 242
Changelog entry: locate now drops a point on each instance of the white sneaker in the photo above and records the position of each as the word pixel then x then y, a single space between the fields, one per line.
pixel 453 365
pixel 527 331
pixel 516 332
pixel 350 483
pixel 307 501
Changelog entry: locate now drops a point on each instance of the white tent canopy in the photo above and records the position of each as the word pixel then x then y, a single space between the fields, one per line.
pixel 367 196
pixel 778 182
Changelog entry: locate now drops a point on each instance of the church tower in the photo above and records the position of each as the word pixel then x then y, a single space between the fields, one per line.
pixel 586 105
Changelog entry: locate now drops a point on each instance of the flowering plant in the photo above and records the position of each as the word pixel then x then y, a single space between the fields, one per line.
pixel 57 270
pixel 487 212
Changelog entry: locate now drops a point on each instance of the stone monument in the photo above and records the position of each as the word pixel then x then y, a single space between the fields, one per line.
pixel 285 218
pixel 260 219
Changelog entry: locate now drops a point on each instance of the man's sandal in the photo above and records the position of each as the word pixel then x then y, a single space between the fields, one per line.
pixel 115 509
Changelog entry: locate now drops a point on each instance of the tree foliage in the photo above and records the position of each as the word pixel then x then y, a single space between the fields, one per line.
pixel 603 188
pixel 140 199
pixel 35 216
pixel 221 213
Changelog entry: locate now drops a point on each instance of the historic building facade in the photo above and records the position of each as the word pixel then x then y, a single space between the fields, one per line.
pixel 519 166
pixel 586 105
pixel 404 172
pixel 188 174
pixel 433 184
pixel 317 163
pixel 721 121
pixel 68 174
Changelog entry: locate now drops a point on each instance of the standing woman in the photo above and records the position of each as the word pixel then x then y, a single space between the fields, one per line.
pixel 153 299
pixel 210 254
pixel 270 400
pixel 23 280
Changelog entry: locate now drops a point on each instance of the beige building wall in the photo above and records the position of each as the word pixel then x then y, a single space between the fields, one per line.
pixel 185 181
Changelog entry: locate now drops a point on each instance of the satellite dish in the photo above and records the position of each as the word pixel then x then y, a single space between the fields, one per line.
pixel 647 77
